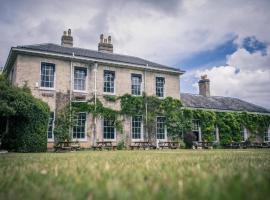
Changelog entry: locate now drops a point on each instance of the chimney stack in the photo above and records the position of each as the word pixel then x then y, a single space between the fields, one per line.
pixel 105 44
pixel 67 39
pixel 204 86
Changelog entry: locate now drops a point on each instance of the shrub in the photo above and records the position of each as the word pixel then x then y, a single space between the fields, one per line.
pixel 121 145
pixel 189 138
pixel 26 119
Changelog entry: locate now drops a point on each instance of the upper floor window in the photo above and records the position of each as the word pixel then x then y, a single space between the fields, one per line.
pixel 79 127
pixel 137 127
pixel 47 75
pixel 50 126
pixel 161 130
pixel 80 78
pixel 108 129
pixel 109 77
pixel 160 82
pixel 136 80
pixel 266 136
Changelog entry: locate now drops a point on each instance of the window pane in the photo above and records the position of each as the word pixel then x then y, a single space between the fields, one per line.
pixel 136 127
pixel 108 129
pixel 160 81
pixel 136 84
pixel 47 75
pixel 160 127
pixel 80 78
pixel 50 126
pixel 79 127
pixel 109 81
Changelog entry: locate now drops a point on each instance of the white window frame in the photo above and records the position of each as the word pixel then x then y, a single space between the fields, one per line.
pixel 108 139
pixel 165 131
pixel 244 132
pixel 114 83
pixel 142 132
pixel 53 125
pixel 85 130
pixel 54 77
pixel 268 133
pixel 136 75
pixel 86 80
pixel 164 87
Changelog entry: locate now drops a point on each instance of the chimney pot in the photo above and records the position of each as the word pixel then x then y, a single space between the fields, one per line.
pixel 67 40
pixel 204 86
pixel 105 44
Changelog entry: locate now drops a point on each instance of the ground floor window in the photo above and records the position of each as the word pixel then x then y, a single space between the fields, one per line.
pixel 79 127
pixel 108 129
pixel 161 129
pixel 136 127
pixel 266 136
pixel 50 126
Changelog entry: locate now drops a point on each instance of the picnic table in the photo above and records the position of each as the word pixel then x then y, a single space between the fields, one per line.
pixel 203 145
pixel 169 145
pixel 104 145
pixel 141 145
pixel 67 146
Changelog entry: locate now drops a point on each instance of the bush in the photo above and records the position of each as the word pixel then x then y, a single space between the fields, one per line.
pixel 121 145
pixel 25 118
pixel 189 138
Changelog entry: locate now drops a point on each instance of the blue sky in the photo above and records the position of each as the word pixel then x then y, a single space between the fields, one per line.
pixel 229 42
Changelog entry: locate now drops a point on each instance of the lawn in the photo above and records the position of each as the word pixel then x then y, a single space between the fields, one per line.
pixel 175 174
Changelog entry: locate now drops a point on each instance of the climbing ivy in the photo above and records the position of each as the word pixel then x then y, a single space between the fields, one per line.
pixel 178 119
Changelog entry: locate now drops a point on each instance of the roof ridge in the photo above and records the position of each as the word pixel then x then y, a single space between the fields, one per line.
pixel 142 60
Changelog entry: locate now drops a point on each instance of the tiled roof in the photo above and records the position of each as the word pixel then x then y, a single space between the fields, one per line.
pixel 54 48
pixel 219 103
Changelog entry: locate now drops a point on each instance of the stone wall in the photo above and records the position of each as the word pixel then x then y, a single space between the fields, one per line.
pixel 27 69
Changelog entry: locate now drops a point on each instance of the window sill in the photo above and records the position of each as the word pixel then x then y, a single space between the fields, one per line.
pixel 80 140
pixel 80 91
pixel 48 89
pixel 50 140
pixel 109 140
pixel 108 93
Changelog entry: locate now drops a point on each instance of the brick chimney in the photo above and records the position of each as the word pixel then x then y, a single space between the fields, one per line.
pixel 105 44
pixel 67 39
pixel 204 86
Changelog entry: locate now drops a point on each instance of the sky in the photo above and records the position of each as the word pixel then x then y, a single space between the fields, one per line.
pixel 226 39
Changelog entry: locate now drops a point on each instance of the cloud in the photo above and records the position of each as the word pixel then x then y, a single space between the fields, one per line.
pixel 247 76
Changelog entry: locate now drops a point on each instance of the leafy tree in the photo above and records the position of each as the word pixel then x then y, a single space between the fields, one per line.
pixel 25 119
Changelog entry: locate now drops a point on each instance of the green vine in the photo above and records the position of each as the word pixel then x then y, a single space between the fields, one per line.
pixel 178 119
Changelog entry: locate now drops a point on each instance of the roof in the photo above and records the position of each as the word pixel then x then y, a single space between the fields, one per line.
pixel 219 103
pixel 87 53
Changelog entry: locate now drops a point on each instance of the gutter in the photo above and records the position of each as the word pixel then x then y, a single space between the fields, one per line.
pixel 15 49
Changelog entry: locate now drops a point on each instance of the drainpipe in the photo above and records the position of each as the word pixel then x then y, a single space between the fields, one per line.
pixel 95 97
pixel 200 134
pixel 144 89
pixel 217 134
pixel 70 90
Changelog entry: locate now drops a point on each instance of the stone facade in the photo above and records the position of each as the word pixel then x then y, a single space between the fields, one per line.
pixel 27 70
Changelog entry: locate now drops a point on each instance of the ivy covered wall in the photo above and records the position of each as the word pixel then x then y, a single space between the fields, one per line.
pixel 178 119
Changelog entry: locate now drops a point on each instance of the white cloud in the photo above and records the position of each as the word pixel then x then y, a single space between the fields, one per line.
pixel 247 76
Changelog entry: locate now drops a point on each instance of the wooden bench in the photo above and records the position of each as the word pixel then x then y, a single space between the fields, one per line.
pixel 108 145
pixel 67 146
pixel 168 145
pixel 141 145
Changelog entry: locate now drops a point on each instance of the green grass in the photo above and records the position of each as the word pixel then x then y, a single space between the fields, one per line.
pixel 180 174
